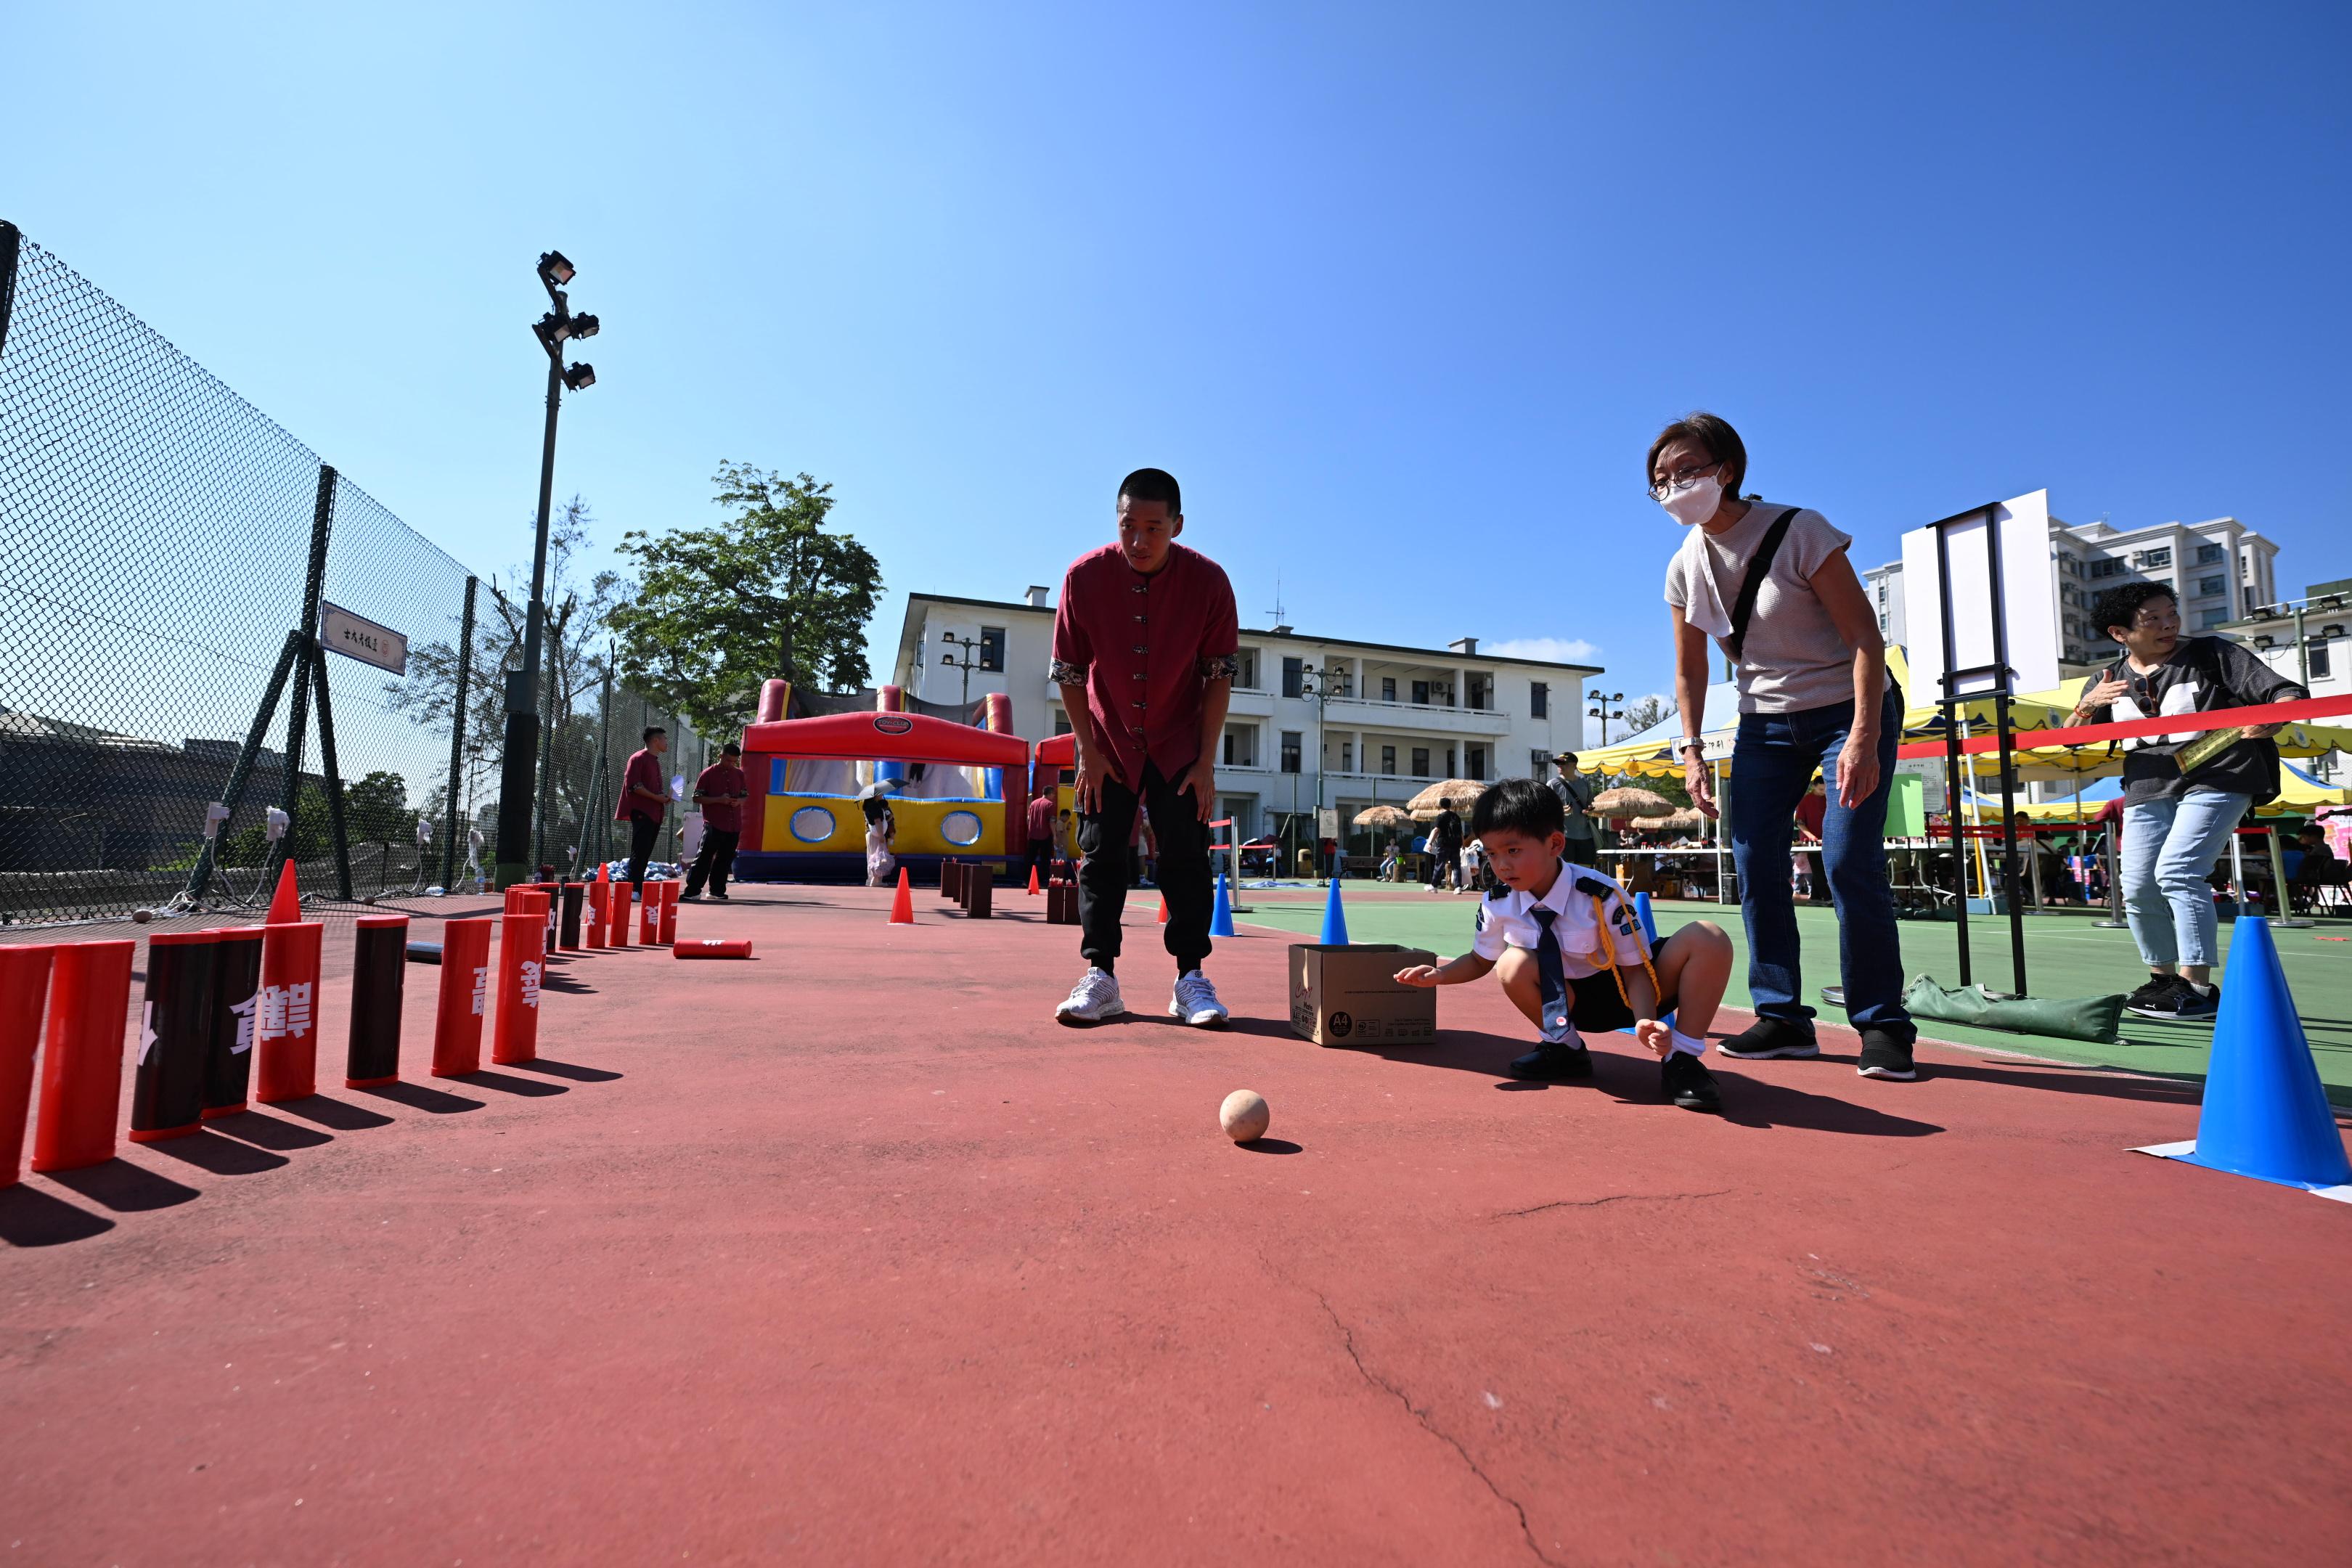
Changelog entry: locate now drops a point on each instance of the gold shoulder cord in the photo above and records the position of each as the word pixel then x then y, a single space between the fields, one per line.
pixel 1609 952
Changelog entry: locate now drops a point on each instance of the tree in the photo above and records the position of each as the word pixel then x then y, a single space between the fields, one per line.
pixel 1642 714
pixel 375 809
pixel 768 592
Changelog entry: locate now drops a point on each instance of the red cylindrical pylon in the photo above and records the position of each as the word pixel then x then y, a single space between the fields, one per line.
pixel 465 998
pixel 598 891
pixel 379 980
pixel 237 999
pixel 517 1039
pixel 575 894
pixel 648 914
pixel 713 947
pixel 668 913
pixel 550 896
pixel 23 988
pixel 287 1033
pixel 617 933
pixel 176 1032
pixel 902 906
pixel 81 1054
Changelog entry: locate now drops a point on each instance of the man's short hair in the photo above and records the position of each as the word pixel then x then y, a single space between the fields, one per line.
pixel 731 749
pixel 2119 606
pixel 1518 805
pixel 1153 484
pixel 651 730
pixel 2311 830
pixel 1711 431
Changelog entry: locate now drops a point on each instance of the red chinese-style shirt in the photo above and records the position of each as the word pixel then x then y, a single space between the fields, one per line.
pixel 721 779
pixel 643 769
pixel 1146 649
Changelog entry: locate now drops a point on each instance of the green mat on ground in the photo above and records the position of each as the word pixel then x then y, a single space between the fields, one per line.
pixel 2098 1019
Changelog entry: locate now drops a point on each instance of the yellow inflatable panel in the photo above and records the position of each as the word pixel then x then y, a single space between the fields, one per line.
pixel 836 824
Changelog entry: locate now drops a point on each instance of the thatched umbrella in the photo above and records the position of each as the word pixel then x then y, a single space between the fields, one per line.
pixel 1627 800
pixel 1456 794
pixel 1673 822
pixel 1381 816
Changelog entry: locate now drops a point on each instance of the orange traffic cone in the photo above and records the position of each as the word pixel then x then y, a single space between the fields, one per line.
pixel 1163 908
pixel 1033 880
pixel 902 908
pixel 286 903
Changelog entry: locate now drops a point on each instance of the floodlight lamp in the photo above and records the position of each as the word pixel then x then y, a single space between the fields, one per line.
pixel 555 269
pixel 580 377
pixel 550 332
pixel 585 326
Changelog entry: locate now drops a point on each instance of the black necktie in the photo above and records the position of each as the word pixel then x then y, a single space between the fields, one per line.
pixel 1551 979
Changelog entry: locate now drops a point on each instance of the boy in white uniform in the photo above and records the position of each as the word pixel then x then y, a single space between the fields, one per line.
pixel 1571 951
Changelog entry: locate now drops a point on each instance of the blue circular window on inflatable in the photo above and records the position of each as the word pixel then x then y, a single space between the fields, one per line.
pixel 960 827
pixel 813 825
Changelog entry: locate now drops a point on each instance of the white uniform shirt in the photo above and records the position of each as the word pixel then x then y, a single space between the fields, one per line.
pixel 1504 922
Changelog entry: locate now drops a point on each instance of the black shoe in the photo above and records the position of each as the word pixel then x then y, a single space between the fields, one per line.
pixel 2185 1006
pixel 1884 1055
pixel 1554 1064
pixel 2161 997
pixel 692 898
pixel 1684 1079
pixel 722 898
pixel 1769 1038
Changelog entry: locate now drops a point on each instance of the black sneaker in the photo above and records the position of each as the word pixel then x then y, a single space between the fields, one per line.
pixel 2189 1007
pixel 1769 1038
pixel 1684 1079
pixel 1550 1063
pixel 1884 1055
pixel 692 898
pixel 2160 998
pixel 722 898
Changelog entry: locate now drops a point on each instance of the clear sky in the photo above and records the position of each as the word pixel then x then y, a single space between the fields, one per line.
pixel 1399 293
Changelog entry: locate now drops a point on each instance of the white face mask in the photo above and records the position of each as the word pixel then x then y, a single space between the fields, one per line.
pixel 1696 501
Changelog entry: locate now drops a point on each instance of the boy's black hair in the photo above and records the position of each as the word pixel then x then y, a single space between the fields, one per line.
pixel 1153 484
pixel 731 749
pixel 2119 606
pixel 651 730
pixel 1519 805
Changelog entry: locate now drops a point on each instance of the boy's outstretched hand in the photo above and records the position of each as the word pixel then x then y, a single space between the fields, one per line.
pixel 1420 974
pixel 1653 1036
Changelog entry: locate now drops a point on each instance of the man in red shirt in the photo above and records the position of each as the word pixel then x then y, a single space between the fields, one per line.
pixel 644 802
pixel 1812 811
pixel 720 790
pixel 1041 835
pixel 1144 646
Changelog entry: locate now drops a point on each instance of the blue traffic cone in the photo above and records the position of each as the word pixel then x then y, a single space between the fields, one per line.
pixel 2266 1113
pixel 1221 917
pixel 1649 925
pixel 1335 919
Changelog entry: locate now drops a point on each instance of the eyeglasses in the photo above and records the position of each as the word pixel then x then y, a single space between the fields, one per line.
pixel 1680 479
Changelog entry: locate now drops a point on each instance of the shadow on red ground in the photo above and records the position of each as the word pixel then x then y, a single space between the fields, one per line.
pixel 850 1253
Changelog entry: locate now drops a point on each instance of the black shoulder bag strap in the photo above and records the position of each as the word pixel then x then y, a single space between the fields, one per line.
pixel 1759 566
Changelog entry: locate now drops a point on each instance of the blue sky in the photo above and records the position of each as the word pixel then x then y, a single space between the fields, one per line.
pixel 1400 294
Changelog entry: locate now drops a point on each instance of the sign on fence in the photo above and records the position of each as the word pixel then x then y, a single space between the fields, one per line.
pixel 347 634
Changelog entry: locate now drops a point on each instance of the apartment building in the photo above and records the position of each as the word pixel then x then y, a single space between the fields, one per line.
pixel 1315 720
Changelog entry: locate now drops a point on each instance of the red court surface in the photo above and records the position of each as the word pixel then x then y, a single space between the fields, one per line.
pixel 849 1255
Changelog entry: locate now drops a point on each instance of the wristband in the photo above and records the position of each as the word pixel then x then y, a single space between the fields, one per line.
pixel 1690 744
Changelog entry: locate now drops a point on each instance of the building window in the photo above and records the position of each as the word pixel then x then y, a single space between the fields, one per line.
pixel 1241 746
pixel 1476 757
pixel 1882 621
pixel 1539 764
pixel 1387 687
pixel 2317 651
pixel 1293 677
pixel 1421 761
pixel 1478 693
pixel 992 647
pixel 2209 553
pixel 1388 760
pixel 2210 586
pixel 2212 619
pixel 1449 762
pixel 1538 700
pixel 1291 738
pixel 2156 557
pixel 1061 722
pixel 2106 568
pixel 1247 677
pixel 1421 694
pixel 1346 756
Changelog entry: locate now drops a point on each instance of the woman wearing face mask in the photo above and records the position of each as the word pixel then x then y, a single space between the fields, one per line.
pixel 1771 584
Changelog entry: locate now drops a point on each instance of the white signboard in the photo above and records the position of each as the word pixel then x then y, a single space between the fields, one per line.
pixel 2029 598
pixel 355 638
pixel 1327 822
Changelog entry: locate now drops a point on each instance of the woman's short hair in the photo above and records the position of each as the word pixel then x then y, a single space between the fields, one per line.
pixel 2121 607
pixel 1711 431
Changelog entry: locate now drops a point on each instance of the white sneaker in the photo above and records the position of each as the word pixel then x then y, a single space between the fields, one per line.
pixel 1196 1003
pixel 1094 998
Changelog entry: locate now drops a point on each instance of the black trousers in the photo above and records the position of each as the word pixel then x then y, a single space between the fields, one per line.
pixel 715 860
pixel 1041 860
pixel 1105 871
pixel 643 831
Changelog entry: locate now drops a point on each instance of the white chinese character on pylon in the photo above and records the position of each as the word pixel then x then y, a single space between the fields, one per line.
pixel 244 1011
pixel 271 1023
pixel 298 1009
pixel 147 1036
pixel 530 983
pixel 481 989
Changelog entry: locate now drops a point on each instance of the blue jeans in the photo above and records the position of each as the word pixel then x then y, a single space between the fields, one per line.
pixel 2169 848
pixel 1771 761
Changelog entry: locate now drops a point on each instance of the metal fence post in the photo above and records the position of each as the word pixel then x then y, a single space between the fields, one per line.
pixel 457 735
pixel 9 247
pixel 322 517
pixel 234 794
pixel 332 768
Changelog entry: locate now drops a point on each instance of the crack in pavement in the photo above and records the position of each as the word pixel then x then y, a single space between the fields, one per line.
pixel 1348 1339
pixel 1613 1198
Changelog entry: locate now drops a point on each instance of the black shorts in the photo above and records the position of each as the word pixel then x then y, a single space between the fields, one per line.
pixel 1597 1005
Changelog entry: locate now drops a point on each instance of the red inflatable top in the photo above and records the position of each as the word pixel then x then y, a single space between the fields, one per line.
pixel 1061 752
pixel 888 737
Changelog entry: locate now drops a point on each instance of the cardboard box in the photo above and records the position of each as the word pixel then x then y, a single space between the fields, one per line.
pixel 1345 995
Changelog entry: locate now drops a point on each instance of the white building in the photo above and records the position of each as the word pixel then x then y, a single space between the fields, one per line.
pixel 2221 570
pixel 2306 640
pixel 1394 719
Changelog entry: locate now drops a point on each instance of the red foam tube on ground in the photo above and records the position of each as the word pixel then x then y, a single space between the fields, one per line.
pixel 286 1031
pixel 237 1001
pixel 379 984
pixel 597 899
pixel 617 930
pixel 712 947
pixel 516 1038
pixel 81 1054
pixel 175 1036
pixel 465 998
pixel 23 988
pixel 648 914
pixel 669 913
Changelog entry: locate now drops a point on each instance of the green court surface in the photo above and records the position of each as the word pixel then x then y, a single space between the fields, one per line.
pixel 2065 955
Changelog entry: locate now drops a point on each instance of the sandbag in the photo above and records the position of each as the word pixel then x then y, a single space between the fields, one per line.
pixel 2092 1018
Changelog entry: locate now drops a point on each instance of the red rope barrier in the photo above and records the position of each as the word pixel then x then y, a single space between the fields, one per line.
pixel 2127 729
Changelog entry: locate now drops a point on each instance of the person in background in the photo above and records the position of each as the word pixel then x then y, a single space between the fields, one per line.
pixel 2314 870
pixel 881 842
pixel 643 804
pixel 2176 826
pixel 1041 837
pixel 1391 862
pixel 1066 841
pixel 1446 851
pixel 1472 866
pixel 720 792
pixel 1575 791
pixel 1812 811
